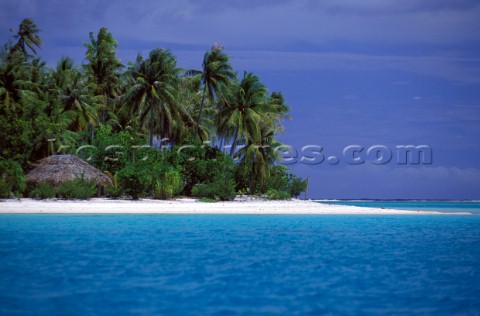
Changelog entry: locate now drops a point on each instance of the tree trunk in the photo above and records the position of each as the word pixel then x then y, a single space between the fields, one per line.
pixel 202 104
pixel 232 150
pixel 252 180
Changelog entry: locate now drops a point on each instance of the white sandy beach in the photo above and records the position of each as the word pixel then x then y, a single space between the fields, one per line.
pixel 189 206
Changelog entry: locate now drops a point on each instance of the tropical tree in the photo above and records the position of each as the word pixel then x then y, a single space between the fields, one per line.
pixel 243 111
pixel 27 36
pixel 217 74
pixel 75 97
pixel 103 69
pixel 257 158
pixel 153 92
pixel 13 77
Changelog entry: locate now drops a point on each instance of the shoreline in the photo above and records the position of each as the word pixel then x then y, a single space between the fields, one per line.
pixel 192 206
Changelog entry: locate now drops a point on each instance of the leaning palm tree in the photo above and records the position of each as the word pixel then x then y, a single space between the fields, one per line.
pixel 217 74
pixel 154 85
pixel 27 36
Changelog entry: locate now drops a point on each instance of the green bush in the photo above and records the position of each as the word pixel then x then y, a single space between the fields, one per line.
pixel 135 180
pixel 43 190
pixel 4 189
pixel 168 184
pixel 278 179
pixel 273 194
pixel 203 165
pixel 114 190
pixel 13 177
pixel 79 188
pixel 297 186
pixel 220 189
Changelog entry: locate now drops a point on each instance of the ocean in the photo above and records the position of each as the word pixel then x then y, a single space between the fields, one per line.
pixel 239 264
pixel 445 206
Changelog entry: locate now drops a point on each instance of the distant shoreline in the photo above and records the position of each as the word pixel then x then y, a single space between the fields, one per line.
pixel 191 206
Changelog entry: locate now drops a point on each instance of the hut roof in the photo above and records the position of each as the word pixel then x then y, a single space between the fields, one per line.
pixel 60 168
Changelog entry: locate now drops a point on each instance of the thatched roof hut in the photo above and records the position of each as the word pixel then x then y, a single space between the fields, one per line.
pixel 60 168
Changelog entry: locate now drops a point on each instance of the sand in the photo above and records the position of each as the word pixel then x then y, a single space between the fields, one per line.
pixel 189 206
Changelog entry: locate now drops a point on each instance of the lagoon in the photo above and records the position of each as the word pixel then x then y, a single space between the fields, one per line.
pixel 239 264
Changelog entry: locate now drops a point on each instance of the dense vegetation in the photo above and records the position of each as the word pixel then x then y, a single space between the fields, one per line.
pixel 156 129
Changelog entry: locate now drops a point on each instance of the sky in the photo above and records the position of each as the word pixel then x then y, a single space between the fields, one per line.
pixel 367 73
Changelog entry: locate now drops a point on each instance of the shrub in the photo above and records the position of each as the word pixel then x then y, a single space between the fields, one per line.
pixel 4 189
pixel 297 186
pixel 203 165
pixel 79 188
pixel 43 190
pixel 13 177
pixel 135 180
pixel 113 191
pixel 220 189
pixel 168 184
pixel 278 179
pixel 273 194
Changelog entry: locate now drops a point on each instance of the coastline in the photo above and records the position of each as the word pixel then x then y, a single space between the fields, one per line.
pixel 191 206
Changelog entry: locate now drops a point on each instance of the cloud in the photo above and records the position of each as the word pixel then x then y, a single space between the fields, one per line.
pixel 257 23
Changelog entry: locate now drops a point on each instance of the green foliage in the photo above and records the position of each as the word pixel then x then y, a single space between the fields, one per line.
pixel 79 188
pixel 103 70
pixel 297 185
pixel 202 165
pixel 112 151
pixel 278 179
pixel 105 112
pixel 4 189
pixel 281 180
pixel 273 194
pixel 113 191
pixel 207 200
pixel 43 190
pixel 12 175
pixel 168 184
pixel 27 36
pixel 152 175
pixel 134 180
pixel 220 189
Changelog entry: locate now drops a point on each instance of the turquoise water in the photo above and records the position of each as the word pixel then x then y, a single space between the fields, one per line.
pixel 423 205
pixel 239 264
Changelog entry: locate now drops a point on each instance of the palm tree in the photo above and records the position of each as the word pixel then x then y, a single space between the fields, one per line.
pixel 103 67
pixel 243 111
pixel 13 76
pixel 75 96
pixel 153 91
pixel 217 73
pixel 27 36
pixel 259 155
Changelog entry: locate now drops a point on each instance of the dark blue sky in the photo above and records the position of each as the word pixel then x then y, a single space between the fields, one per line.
pixel 365 73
